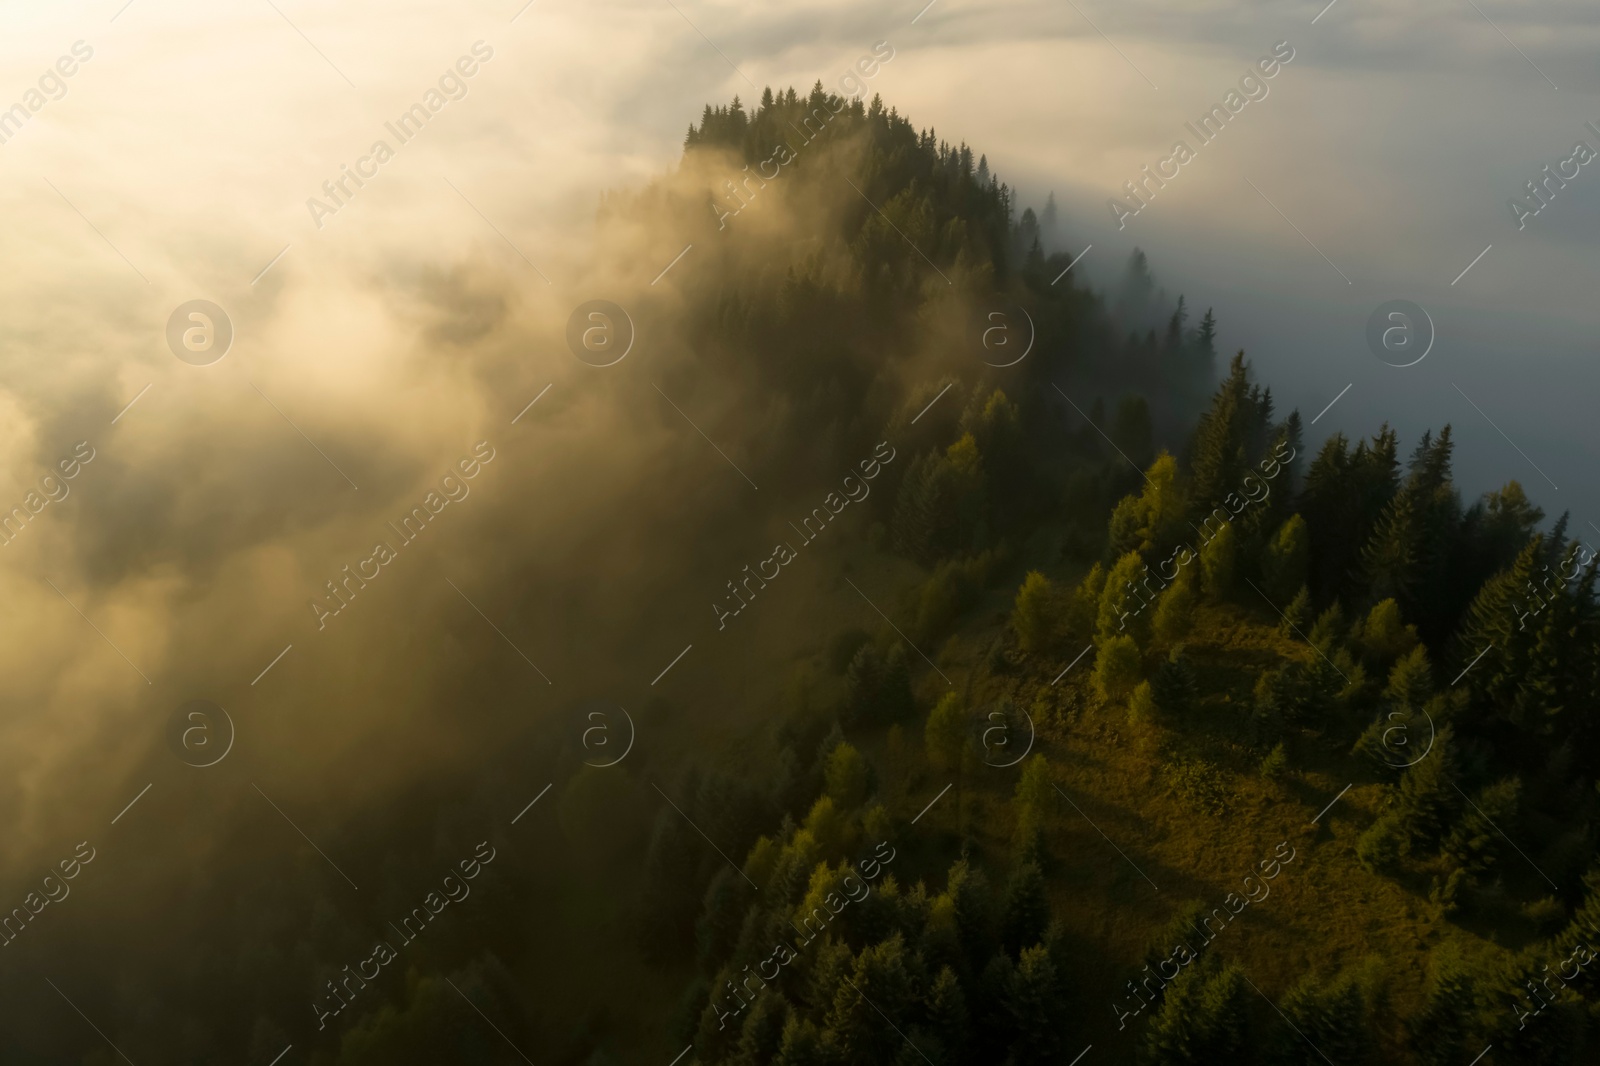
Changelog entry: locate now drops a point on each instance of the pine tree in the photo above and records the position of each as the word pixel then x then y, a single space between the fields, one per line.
pixel 1390 558
pixel 1329 629
pixel 1437 508
pixel 1383 635
pixel 1176 327
pixel 1427 798
pixel 973 906
pixel 945 735
pixel 1411 681
pixel 863 683
pixel 1206 338
pixel 1382 845
pixel 1174 686
pixel 895 701
pixel 1509 520
pixel 802 1043
pixel 1123 602
pixel 1473 843
pixel 947 1016
pixel 1152 521
pixel 1327 1019
pixel 1442 1032
pixel 1297 614
pixel 762 1035
pixel 1217 564
pixel 1345 493
pixel 1294 446
pixel 1036 617
pixel 1174 615
pixel 848 777
pixel 1036 787
pixel 721 917
pixel 1026 911
pixel 1034 1008
pixel 1116 668
pixel 832 831
pixel 880 982
pixel 1538 631
pixel 1288 555
pixel 1219 459
pixel 1034 801
pixel 1202 1017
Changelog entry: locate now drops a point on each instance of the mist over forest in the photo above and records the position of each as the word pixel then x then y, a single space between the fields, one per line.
pixel 803 588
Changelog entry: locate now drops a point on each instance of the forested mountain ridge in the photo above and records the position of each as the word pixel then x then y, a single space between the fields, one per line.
pixel 846 265
pixel 1257 633
pixel 1170 719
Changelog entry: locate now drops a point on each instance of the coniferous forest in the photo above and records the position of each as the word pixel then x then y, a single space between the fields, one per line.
pixel 1214 630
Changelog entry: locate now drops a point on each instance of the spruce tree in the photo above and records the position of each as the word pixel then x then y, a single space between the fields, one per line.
pixel 1123 602
pixel 1474 843
pixel 1219 460
pixel 1427 798
pixel 895 702
pixel 947 1017
pixel 1036 616
pixel 1331 1020
pixel 1173 686
pixel 1297 614
pixel 1288 555
pixel 1389 559
pixel 1206 338
pixel 945 735
pixel 1442 1032
pixel 1217 561
pixel 1294 446
pixel 863 683
pixel 802 1044
pixel 1174 612
pixel 1034 1007
pixel 848 777
pixel 1176 328
pixel 1202 1019
pixel 1026 911
pixel 762 1034
pixel 880 982
pixel 1116 668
